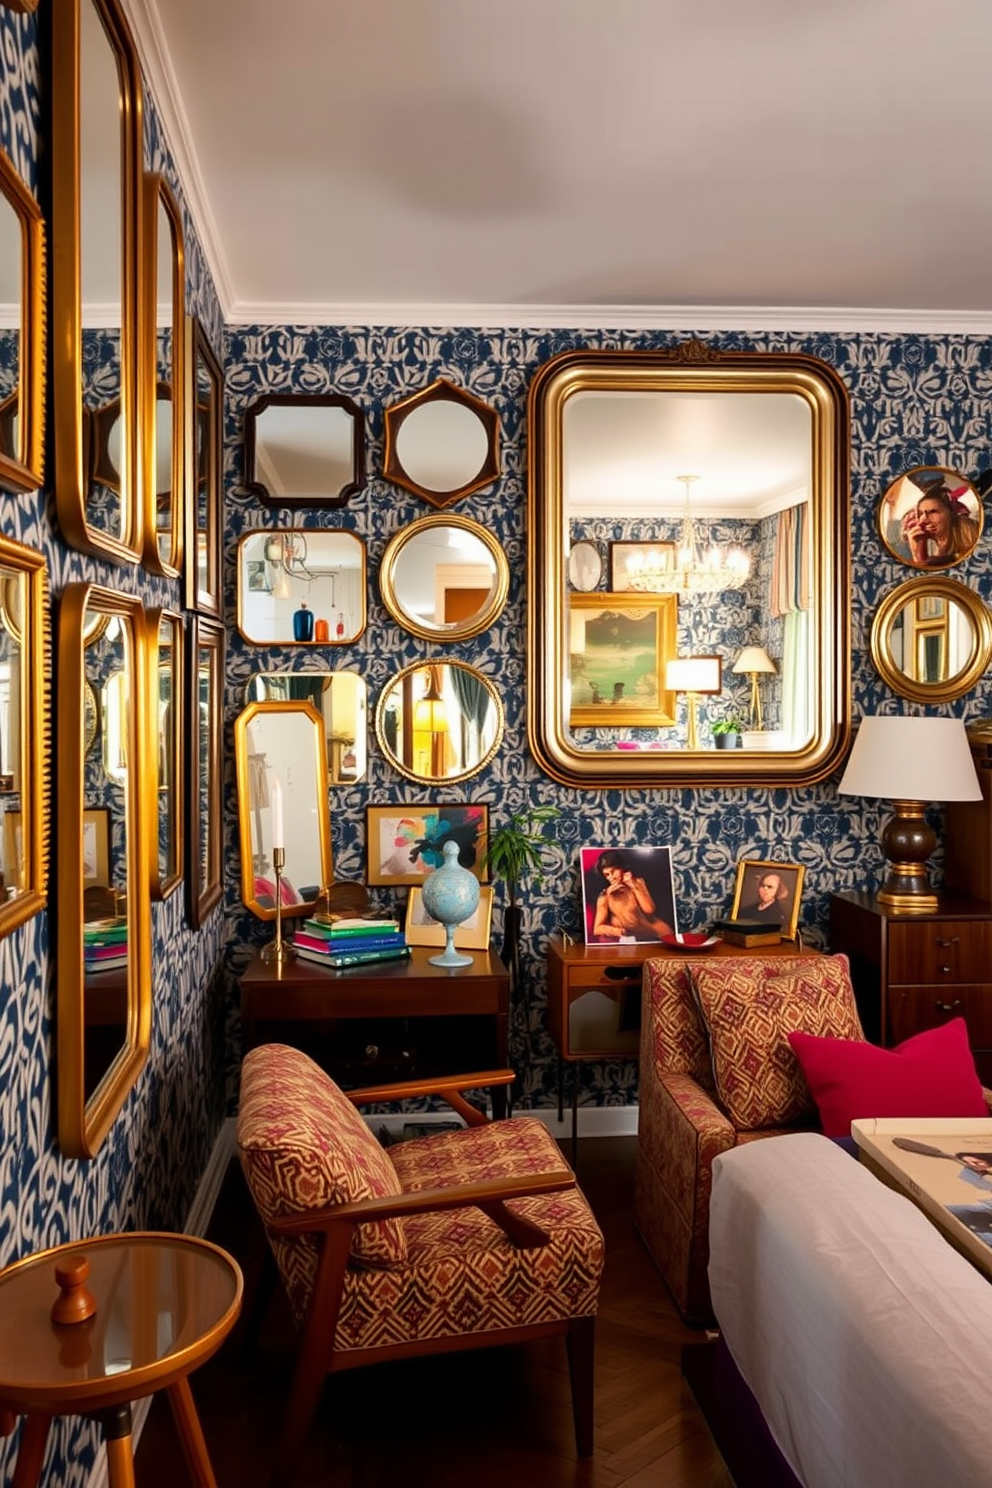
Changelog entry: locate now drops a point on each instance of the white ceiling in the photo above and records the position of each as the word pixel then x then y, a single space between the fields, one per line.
pixel 587 162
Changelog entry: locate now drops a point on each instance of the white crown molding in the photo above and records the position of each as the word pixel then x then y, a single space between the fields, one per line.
pixel 156 65
pixel 622 317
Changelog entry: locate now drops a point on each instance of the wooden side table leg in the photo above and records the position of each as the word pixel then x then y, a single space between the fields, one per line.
pixel 120 1448
pixel 31 1451
pixel 191 1433
pixel 575 1113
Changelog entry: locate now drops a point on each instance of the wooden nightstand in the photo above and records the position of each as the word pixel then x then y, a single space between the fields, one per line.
pixel 912 972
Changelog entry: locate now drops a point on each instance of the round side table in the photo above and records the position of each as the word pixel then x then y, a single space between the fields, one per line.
pixel 163 1305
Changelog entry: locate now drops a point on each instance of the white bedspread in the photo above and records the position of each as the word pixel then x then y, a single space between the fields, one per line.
pixel 866 1339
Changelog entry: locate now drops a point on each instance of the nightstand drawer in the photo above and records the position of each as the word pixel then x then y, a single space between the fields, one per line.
pixel 608 975
pixel 913 1009
pixel 944 951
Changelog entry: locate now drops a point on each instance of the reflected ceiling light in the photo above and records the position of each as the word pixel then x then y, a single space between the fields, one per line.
pixel 430 712
pixel 693 569
pixel 755 660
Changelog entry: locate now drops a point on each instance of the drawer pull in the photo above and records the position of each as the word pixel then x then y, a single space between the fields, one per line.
pixel 624 973
pixel 947 1007
pixel 953 941
pixel 371 1051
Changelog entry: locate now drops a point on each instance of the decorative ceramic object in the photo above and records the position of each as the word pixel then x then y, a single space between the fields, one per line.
pixel 450 894
pixel 303 623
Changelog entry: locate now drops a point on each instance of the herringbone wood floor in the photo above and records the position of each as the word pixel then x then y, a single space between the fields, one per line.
pixel 484 1420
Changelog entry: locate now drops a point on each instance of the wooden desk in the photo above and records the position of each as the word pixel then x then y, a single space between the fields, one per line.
pixel 164 1305
pixel 387 1020
pixel 594 1001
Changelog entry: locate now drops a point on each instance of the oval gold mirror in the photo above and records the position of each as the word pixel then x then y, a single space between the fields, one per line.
pixel 439 721
pixel 304 586
pixel 22 365
pixel 96 163
pixel 930 517
pixel 444 578
pixel 166 716
pixel 303 450
pixel 720 469
pixel 280 753
pixel 341 700
pixel 931 640
pixel 104 912
pixel 24 732
pixel 163 375
pixel 441 443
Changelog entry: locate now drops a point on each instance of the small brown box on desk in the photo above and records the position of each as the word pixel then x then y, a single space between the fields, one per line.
pixel 751 934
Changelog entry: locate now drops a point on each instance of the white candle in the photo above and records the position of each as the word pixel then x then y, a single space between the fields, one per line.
pixel 276 800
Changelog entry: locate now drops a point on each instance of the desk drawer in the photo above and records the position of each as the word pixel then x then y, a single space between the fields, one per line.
pixel 939 951
pixel 913 1009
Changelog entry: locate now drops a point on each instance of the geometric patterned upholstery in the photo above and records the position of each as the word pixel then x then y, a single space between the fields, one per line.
pixel 750 1007
pixel 682 1123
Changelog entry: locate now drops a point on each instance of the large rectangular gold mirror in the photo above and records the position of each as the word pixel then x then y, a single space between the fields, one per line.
pixel 724 476
pixel 22 336
pixel 166 717
pixel 96 163
pixel 103 847
pixel 162 377
pixel 24 733
pixel 204 768
pixel 204 516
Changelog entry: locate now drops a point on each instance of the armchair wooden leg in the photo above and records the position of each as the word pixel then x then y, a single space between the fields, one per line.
pixel 581 1344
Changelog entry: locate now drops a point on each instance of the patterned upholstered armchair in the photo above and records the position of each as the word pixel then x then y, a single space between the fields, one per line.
pixel 715 1071
pixel 465 1239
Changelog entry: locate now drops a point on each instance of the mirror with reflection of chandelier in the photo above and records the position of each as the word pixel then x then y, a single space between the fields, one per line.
pixel 689 566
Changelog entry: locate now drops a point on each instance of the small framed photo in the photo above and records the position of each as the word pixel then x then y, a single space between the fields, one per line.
pixel 256 574
pixel 628 896
pixel 471 935
pixel 633 563
pixel 769 892
pixel 406 843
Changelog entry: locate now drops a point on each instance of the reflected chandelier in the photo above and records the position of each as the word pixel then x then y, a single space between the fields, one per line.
pixel 692 569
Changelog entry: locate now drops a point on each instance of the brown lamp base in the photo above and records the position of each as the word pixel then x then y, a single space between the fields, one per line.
pixel 908 843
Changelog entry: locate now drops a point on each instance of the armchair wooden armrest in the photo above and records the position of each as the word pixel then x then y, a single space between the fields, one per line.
pixel 490 1196
pixel 449 1087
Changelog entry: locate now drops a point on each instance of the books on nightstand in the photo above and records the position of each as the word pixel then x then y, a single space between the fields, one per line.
pixel 747 933
pixel 351 942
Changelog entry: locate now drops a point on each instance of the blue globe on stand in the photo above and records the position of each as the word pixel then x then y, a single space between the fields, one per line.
pixel 450 895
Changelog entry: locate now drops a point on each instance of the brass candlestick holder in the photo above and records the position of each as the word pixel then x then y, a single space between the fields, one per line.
pixel 278 950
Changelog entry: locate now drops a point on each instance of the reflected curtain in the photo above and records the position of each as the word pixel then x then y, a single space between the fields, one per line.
pixel 796 675
pixel 474 703
pixel 791 581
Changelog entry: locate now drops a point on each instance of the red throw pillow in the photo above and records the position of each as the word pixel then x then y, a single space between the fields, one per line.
pixel 931 1074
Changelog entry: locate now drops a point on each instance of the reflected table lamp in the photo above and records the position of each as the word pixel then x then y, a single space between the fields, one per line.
pixel 911 762
pixel 696 676
pixel 754 660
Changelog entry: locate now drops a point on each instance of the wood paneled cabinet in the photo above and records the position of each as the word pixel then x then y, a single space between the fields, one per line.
pixel 912 972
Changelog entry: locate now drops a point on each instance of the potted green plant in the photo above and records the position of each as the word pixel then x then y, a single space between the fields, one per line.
pixel 727 732
pixel 512 852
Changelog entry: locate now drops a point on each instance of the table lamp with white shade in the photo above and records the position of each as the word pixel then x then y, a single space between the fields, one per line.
pixel 912 762
pixel 754 660
pixel 696 676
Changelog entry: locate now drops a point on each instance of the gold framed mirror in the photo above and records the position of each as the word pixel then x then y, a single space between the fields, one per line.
pixel 165 715
pixel 204 768
pixel 25 664
pixel 301 586
pixel 931 639
pixel 304 449
pixel 96 140
pixel 22 351
pixel 930 517
pixel 104 908
pixel 204 506
pixel 341 699
pixel 163 377
pixel 439 721
pixel 282 744
pixel 613 436
pixel 444 578
pixel 441 443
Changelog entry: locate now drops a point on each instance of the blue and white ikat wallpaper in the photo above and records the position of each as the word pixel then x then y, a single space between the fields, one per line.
pixel 915 400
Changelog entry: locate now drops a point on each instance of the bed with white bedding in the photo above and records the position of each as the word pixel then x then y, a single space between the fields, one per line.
pixel 864 1337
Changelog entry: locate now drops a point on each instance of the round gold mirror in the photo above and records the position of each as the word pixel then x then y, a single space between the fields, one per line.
pixel 444 578
pixel 439 721
pixel 930 517
pixel 931 640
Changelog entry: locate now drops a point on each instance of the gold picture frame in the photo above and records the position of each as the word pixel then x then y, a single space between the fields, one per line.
pixel 618 648
pixel 471 935
pixel 780 911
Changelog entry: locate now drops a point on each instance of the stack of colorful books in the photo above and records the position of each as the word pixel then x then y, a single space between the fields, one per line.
pixel 351 942
pixel 104 947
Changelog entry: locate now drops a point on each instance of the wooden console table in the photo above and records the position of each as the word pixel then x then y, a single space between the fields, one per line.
pixel 388 1020
pixel 594 1001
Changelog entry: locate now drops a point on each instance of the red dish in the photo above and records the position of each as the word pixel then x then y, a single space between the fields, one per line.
pixel 691 941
